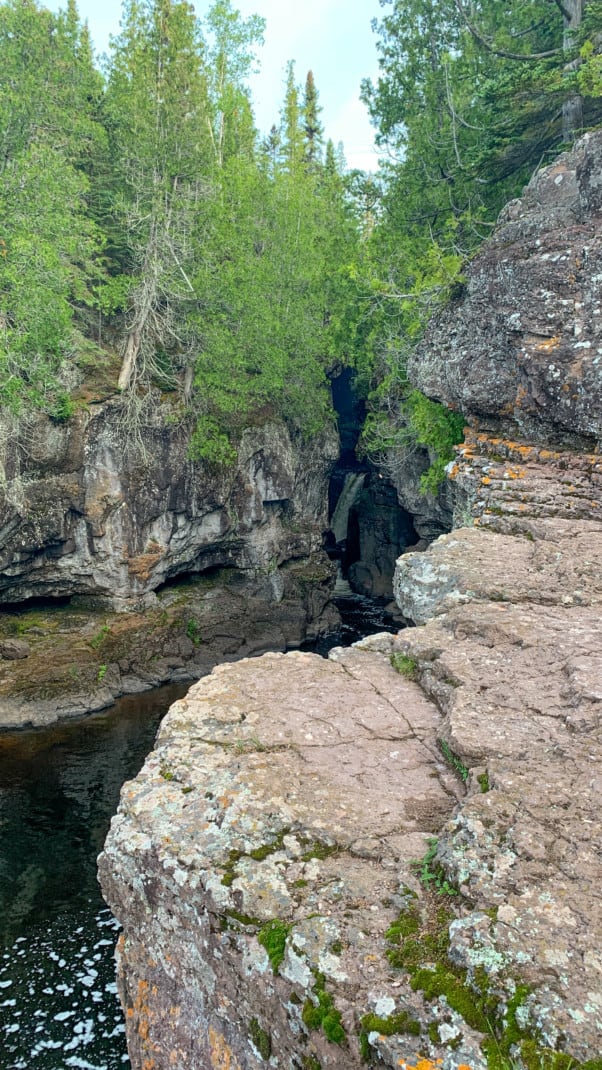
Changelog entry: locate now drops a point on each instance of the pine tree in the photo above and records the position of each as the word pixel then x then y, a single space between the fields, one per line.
pixel 158 113
pixel 313 130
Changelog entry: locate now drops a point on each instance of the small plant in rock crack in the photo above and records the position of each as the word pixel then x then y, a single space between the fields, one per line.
pixel 453 760
pixel 431 874
pixel 405 665
pixel 193 631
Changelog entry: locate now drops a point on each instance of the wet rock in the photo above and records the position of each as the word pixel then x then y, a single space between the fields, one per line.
pixel 83 658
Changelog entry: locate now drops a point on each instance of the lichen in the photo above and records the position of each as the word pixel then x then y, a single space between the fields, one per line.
pixel 394 1024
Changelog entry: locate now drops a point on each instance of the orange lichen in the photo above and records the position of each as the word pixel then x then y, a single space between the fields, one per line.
pixel 222 1056
pixel 425 1064
pixel 550 343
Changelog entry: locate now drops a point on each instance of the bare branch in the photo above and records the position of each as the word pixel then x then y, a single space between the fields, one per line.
pixel 566 14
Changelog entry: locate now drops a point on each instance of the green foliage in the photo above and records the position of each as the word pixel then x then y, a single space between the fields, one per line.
pixel 100 636
pixel 405 665
pixel 320 1012
pixel 453 760
pixel 434 426
pixel 431 873
pixel 483 781
pixel 102 671
pixel 193 631
pixel 273 937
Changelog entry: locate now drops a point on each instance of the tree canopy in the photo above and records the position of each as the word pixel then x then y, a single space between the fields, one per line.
pixel 146 228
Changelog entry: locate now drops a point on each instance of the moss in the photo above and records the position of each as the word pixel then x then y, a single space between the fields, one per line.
pixel 273 937
pixel 433 1032
pixel 242 919
pixel 336 947
pixel 261 1039
pixel 309 1062
pixel 420 944
pixel 317 849
pixel 321 1013
pixel 394 1025
pixel 405 666
pixel 483 781
pixel 267 849
pixel 230 873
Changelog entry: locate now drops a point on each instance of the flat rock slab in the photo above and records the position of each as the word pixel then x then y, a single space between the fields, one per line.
pixel 286 794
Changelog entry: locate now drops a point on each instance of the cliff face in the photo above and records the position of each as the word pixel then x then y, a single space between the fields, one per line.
pixel 522 350
pixel 510 607
pixel 209 565
pixel 278 919
pixel 80 513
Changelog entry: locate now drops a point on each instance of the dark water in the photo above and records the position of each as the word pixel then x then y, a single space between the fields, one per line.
pixel 59 787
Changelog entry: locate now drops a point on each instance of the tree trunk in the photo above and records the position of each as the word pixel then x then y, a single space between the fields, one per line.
pixel 130 355
pixel 572 109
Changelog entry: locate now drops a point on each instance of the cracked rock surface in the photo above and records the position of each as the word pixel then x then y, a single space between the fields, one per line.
pixel 283 789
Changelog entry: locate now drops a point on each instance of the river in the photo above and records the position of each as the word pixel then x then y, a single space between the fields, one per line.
pixel 59 787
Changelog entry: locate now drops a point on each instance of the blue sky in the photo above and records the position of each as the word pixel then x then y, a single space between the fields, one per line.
pixel 331 37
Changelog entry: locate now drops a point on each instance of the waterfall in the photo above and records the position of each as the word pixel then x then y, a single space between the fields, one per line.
pixel 352 487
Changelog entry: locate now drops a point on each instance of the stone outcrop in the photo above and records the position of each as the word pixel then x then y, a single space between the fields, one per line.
pixel 92 528
pixel 81 513
pixel 262 862
pixel 510 607
pixel 260 856
pixel 523 348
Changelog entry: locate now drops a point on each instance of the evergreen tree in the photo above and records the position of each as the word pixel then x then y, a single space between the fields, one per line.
pixel 50 248
pixel 292 144
pixel 158 113
pixel 312 128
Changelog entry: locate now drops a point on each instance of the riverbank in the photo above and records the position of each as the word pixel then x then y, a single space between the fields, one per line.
pixel 79 658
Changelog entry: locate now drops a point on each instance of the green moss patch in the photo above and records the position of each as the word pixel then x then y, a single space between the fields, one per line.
pixel 261 1039
pixel 401 1023
pixel 419 944
pixel 273 937
pixel 321 1013
pixel 405 665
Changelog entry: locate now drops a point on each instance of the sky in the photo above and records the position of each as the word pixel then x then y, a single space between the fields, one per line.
pixel 333 38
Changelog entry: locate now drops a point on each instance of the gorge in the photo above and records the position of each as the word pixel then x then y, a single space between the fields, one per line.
pixel 246 392
pixel 264 862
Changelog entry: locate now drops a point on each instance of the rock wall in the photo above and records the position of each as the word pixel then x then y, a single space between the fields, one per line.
pixel 511 638
pixel 83 514
pixel 522 350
